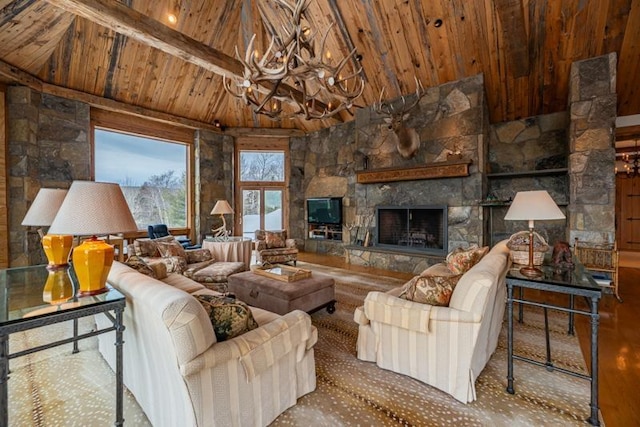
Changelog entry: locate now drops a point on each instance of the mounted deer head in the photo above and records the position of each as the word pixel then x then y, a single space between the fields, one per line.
pixel 406 139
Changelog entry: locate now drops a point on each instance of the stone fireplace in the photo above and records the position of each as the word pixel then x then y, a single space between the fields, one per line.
pixel 413 228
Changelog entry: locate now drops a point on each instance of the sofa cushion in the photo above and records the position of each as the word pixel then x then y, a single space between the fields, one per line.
pixel 275 239
pixel 183 283
pixel 461 260
pixel 146 247
pixel 433 290
pixel 229 317
pixel 439 269
pixel 168 249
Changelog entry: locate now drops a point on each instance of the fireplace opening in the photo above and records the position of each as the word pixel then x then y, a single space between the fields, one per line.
pixel 413 228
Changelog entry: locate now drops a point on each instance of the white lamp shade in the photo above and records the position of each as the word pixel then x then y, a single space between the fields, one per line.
pixel 533 205
pixel 222 207
pixel 44 207
pixel 93 208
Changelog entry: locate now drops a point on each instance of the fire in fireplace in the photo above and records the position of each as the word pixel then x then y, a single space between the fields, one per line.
pixel 413 228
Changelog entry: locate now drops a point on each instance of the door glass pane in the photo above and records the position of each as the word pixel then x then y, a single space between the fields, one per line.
pixel 262 166
pixel 273 209
pixel 250 212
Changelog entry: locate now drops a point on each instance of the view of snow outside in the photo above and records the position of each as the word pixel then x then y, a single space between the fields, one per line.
pixel 251 223
pixel 151 173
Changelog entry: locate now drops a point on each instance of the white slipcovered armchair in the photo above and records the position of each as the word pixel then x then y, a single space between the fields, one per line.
pixel 445 347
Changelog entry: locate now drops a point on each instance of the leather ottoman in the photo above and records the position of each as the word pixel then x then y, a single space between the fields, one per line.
pixel 280 297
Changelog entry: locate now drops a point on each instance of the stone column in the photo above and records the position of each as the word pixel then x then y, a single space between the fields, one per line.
pixel 22 142
pixel 592 108
pixel 48 147
pixel 215 171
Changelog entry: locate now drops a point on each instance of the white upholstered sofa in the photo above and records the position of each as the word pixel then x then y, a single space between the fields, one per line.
pixel 181 376
pixel 445 347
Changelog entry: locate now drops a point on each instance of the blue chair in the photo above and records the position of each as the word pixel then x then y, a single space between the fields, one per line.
pixel 161 230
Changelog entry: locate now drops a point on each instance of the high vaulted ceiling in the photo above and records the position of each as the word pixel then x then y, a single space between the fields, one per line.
pixel 126 55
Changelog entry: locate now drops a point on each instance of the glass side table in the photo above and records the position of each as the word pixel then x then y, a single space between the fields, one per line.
pixel 31 297
pixel 573 282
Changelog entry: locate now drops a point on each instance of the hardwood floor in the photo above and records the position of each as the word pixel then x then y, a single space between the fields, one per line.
pixel 619 342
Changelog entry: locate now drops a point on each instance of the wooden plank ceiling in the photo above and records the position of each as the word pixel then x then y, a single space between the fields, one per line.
pixel 128 52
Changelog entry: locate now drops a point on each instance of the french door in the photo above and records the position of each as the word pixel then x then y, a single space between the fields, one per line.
pixel 261 185
pixel 262 208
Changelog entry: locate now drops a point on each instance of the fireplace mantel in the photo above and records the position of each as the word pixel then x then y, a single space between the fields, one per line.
pixel 447 169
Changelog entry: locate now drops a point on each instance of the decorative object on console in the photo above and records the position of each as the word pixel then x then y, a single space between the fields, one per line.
pixel 562 256
pixel 41 214
pixel 93 208
pixel 531 206
pixel 296 68
pixel 221 208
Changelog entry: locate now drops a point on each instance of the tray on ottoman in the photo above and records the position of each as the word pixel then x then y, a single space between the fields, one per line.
pixel 310 294
pixel 284 273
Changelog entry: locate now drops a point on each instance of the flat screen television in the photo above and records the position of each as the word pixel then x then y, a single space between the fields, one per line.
pixel 324 211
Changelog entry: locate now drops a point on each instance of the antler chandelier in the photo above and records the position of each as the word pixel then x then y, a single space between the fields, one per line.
pixel 296 69
pixel 632 165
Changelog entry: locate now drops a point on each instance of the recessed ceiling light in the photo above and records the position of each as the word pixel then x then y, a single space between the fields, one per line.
pixel 172 18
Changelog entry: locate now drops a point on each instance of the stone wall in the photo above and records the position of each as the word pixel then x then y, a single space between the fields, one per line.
pixel 323 164
pixel 592 106
pixel 49 146
pixel 451 117
pixel 528 154
pixel 214 179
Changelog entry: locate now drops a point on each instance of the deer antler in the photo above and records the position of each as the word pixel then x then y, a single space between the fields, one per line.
pixel 386 108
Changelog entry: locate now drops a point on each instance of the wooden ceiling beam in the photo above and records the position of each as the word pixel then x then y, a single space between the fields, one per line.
pixel 125 20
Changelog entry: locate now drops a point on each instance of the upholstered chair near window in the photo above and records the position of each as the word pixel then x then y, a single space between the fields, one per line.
pixel 274 247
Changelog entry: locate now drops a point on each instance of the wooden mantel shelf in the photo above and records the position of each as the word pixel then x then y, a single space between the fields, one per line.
pixel 447 169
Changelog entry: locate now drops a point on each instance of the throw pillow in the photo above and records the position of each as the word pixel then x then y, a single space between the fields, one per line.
pixel 159 269
pixel 461 260
pixel 275 239
pixel 229 317
pixel 169 249
pixel 140 266
pixel 432 290
pixel 149 248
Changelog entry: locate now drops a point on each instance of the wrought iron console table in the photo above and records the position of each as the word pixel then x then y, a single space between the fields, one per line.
pixel 31 297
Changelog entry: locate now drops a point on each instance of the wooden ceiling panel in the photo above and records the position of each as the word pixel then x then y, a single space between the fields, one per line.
pixel 524 48
pixel 29 32
pixel 628 81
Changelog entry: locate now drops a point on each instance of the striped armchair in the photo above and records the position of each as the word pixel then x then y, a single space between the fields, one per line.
pixel 445 347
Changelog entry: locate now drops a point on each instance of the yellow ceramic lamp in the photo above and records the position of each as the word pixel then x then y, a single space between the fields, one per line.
pixel 56 248
pixel 91 209
pixel 92 262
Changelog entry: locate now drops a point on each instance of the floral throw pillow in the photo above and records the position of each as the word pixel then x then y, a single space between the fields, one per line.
pixel 275 239
pixel 229 316
pixel 169 249
pixel 461 260
pixel 432 290
pixel 140 266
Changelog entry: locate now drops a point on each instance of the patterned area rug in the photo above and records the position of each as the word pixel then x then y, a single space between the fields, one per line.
pixel 352 392
pixel 55 387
